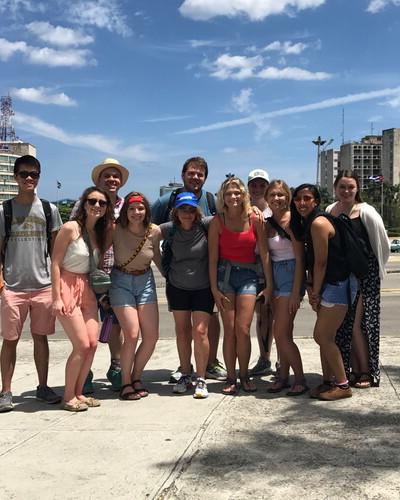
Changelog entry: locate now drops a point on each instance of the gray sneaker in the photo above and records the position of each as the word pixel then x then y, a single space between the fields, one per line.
pixel 216 371
pixel 262 367
pixel 47 395
pixel 6 402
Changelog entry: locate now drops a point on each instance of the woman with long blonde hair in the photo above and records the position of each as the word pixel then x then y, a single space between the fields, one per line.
pixel 232 239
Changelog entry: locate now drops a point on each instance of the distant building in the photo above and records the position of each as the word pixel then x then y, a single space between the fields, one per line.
pixel 170 187
pixel 364 157
pixel 391 155
pixel 11 148
pixel 329 164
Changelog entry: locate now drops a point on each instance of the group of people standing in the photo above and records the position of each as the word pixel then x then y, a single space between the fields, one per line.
pixel 257 247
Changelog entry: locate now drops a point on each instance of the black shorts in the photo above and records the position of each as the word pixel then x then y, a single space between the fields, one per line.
pixel 189 300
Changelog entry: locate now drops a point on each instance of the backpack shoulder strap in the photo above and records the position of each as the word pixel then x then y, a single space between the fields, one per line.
pixel 47 215
pixel 278 228
pixel 7 212
pixel 211 203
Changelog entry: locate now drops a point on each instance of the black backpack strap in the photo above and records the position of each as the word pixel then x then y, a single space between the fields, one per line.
pixel 7 212
pixel 211 203
pixel 47 215
pixel 170 205
pixel 278 228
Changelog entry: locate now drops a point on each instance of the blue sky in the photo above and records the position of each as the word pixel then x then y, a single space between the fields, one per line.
pixel 244 83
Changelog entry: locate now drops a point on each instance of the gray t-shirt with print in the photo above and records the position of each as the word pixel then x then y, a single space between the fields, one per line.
pixel 26 267
pixel 189 263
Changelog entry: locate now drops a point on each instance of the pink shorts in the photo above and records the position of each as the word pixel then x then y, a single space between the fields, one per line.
pixel 76 294
pixel 15 307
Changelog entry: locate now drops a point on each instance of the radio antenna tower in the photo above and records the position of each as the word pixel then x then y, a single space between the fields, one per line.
pixel 7 131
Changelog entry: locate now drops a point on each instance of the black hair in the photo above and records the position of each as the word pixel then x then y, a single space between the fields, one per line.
pixel 198 161
pixel 296 220
pixel 26 160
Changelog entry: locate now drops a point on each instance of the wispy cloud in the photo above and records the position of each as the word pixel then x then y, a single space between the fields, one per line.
pixel 45 55
pixel 229 150
pixel 15 7
pixel 255 10
pixel 167 118
pixel 43 95
pixel 243 67
pixel 325 104
pixel 242 102
pixel 104 14
pixel 376 6
pixel 393 103
pixel 286 48
pixel 98 142
pixel 58 35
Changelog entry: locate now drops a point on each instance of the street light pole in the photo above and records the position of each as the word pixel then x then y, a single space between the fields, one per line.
pixel 318 142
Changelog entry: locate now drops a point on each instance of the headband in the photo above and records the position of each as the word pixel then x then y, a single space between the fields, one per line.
pixel 136 199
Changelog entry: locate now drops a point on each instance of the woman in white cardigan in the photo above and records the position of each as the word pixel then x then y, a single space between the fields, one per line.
pixel 358 336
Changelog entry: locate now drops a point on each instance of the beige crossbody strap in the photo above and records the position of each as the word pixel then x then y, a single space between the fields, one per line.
pixel 138 248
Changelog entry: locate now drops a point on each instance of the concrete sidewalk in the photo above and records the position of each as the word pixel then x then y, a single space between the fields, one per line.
pixel 175 447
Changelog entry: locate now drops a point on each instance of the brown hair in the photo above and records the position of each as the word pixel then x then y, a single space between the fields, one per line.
pixel 123 215
pixel 280 184
pixel 175 218
pixel 351 175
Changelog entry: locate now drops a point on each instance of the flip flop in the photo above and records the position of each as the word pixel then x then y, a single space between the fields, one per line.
pixel 230 387
pixel 280 385
pixel 142 391
pixel 297 393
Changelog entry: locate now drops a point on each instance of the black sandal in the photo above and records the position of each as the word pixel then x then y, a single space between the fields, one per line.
pixel 142 391
pixel 246 381
pixel 230 387
pixel 280 385
pixel 128 396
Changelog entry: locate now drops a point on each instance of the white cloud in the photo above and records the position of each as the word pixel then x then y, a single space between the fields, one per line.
pixel 15 7
pixel 291 73
pixel 167 118
pixel 376 6
pixel 393 103
pixel 374 119
pixel 235 67
pixel 286 48
pixel 98 142
pixel 104 14
pixel 8 49
pixel 58 35
pixel 45 55
pixel 256 10
pixel 56 58
pixel 42 95
pixel 265 128
pixel 228 150
pixel 325 104
pixel 242 102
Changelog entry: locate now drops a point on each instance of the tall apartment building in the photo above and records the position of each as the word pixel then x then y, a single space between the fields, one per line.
pixel 11 148
pixel 329 166
pixel 391 155
pixel 364 157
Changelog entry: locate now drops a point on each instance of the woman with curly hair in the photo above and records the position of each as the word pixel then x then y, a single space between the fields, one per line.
pixel 133 295
pixel 358 336
pixel 74 302
pixel 232 239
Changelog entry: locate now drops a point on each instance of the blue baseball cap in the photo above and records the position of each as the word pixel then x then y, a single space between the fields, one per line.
pixel 186 198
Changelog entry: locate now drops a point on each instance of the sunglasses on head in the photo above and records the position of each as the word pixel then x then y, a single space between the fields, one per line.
pixel 93 201
pixel 24 174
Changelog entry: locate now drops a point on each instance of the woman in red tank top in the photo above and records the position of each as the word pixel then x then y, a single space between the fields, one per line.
pixel 232 238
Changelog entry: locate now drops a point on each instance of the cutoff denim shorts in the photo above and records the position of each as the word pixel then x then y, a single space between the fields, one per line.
pixel 128 290
pixel 242 281
pixel 283 274
pixel 338 294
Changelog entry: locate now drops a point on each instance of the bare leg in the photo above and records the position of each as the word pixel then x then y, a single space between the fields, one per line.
pixel 264 330
pixel 359 342
pixel 129 321
pixel 229 343
pixel 7 360
pixel 115 342
pixel 183 329
pixel 213 337
pixel 41 357
pixel 244 315
pixel 200 339
pixel 148 320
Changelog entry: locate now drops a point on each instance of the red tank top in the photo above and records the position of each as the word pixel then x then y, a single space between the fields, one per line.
pixel 237 246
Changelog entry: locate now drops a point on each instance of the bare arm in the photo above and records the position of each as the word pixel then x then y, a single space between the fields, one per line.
pixel 213 256
pixel 299 273
pixel 64 237
pixel 261 233
pixel 157 237
pixel 321 231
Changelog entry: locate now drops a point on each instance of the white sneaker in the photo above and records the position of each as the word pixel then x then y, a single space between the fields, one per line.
pixel 183 385
pixel 201 391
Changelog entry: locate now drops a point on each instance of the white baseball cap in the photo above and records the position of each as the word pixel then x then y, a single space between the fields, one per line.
pixel 258 174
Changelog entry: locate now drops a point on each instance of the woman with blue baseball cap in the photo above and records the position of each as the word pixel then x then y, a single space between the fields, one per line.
pixel 185 266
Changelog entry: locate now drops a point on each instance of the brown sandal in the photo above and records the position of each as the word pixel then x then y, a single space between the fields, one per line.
pixel 230 387
pixel 142 391
pixel 128 396
pixel 363 381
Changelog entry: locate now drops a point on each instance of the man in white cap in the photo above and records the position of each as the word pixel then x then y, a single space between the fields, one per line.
pixel 110 175
pixel 257 183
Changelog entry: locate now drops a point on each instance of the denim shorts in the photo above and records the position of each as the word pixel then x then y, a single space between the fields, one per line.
pixel 283 274
pixel 241 281
pixel 338 294
pixel 128 290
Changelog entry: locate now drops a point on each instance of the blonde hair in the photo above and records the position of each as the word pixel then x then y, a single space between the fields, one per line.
pixel 280 184
pixel 221 207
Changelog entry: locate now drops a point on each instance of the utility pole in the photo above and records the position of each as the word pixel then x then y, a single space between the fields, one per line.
pixel 318 142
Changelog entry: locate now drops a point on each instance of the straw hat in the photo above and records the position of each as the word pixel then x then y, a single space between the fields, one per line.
pixel 108 163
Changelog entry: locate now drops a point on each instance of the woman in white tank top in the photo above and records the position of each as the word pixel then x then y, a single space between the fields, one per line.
pixel 287 257
pixel 74 302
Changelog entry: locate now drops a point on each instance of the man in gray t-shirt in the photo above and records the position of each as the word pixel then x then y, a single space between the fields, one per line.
pixel 26 273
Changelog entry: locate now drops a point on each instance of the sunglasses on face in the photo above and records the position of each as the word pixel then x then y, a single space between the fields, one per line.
pixel 306 198
pixel 187 208
pixel 24 174
pixel 93 201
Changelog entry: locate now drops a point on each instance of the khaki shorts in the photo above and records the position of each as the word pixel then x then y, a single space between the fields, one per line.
pixel 14 311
